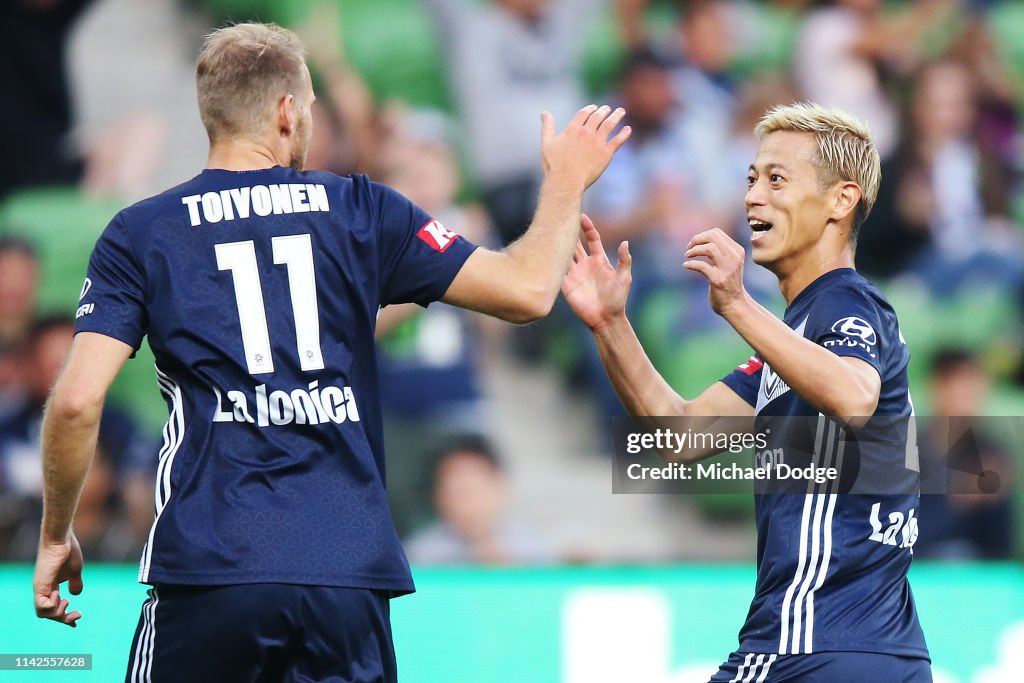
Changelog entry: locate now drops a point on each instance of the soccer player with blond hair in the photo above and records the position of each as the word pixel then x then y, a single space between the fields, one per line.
pixel 272 555
pixel 832 602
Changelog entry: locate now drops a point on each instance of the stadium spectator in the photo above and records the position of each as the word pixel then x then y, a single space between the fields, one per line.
pixel 707 91
pixel 964 521
pixel 19 284
pixel 644 195
pixel 429 358
pixel 123 158
pixel 470 491
pixel 507 60
pixel 347 121
pixel 701 49
pixel 998 89
pixel 115 512
pixel 846 48
pixel 34 94
pixel 944 210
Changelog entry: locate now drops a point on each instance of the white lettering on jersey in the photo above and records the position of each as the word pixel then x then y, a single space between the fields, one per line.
pixel 901 530
pixel 84 309
pixel 311 405
pixel 261 200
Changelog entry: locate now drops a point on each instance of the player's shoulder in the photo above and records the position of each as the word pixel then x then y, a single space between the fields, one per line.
pixel 329 179
pixel 849 301
pixel 147 212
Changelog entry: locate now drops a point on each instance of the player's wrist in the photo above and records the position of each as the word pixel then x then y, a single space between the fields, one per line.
pixel 610 325
pixel 563 180
pixel 54 540
pixel 737 309
pixel 53 533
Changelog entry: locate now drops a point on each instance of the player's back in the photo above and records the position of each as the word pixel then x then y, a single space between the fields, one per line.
pixel 259 292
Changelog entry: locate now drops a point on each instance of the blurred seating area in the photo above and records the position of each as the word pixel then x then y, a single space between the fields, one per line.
pixel 441 99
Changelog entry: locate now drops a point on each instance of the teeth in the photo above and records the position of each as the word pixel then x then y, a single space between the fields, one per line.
pixel 759 225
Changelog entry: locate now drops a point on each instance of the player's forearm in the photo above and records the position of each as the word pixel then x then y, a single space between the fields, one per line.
pixel 638 384
pixel 820 377
pixel 70 431
pixel 538 261
pixel 643 391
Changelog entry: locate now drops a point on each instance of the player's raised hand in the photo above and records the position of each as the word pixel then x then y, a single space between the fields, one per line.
pixel 585 147
pixel 722 266
pixel 595 290
pixel 56 563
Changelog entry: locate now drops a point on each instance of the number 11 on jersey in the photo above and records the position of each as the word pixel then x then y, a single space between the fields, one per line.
pixel 295 252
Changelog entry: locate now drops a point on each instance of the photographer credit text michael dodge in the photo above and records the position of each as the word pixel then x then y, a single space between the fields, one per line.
pixel 768 463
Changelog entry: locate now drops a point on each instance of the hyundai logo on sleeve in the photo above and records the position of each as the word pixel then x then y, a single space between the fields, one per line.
pixel 853 326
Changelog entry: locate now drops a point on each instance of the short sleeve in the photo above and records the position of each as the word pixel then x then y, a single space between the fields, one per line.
pixel 113 298
pixel 419 256
pixel 745 380
pixel 850 326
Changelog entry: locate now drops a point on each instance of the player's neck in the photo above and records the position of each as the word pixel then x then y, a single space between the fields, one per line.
pixel 810 268
pixel 243 155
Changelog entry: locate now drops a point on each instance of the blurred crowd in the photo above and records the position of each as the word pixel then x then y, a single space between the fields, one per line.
pixel 939 82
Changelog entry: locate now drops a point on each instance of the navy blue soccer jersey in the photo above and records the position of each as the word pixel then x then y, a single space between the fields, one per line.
pixel 259 292
pixel 831 565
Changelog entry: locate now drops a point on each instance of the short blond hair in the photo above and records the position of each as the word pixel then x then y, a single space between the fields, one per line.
pixel 846 151
pixel 242 72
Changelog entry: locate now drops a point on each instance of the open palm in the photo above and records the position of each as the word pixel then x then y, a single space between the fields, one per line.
pixel 595 290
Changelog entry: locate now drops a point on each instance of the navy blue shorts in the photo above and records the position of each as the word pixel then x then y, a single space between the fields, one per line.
pixel 823 667
pixel 266 632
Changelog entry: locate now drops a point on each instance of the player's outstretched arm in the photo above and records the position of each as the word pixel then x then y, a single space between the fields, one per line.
pixel 521 282
pixel 70 429
pixel 597 292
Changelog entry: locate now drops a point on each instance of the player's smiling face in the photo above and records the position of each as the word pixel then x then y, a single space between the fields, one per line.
pixel 786 205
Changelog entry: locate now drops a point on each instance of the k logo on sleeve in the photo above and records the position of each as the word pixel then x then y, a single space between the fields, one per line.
pixel 437 236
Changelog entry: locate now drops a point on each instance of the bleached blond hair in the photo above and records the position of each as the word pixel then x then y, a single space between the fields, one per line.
pixel 846 152
pixel 242 72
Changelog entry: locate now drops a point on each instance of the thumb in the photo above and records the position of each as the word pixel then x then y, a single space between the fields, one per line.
pixel 547 127
pixel 625 258
pixel 75 583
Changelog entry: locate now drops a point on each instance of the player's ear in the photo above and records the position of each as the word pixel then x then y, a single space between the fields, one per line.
pixel 844 198
pixel 286 114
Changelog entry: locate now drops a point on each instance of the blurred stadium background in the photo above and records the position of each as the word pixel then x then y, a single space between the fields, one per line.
pixel 498 437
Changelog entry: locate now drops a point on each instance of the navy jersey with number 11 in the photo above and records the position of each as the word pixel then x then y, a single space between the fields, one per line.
pixel 259 291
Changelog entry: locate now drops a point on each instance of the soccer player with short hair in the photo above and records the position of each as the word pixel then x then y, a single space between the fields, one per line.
pixel 832 602
pixel 272 555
